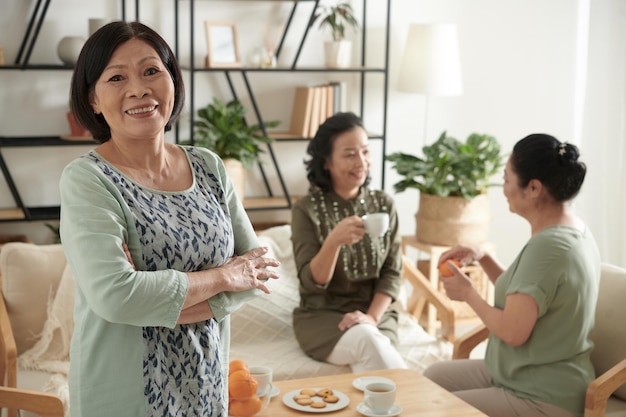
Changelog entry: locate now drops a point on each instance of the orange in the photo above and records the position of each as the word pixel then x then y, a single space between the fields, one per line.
pixel 237 365
pixel 246 407
pixel 241 384
pixel 445 271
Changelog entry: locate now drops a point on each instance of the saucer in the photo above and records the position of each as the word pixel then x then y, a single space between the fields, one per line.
pixel 365 410
pixel 360 383
pixel 275 391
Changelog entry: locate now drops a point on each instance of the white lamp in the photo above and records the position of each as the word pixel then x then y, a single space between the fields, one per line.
pixel 431 63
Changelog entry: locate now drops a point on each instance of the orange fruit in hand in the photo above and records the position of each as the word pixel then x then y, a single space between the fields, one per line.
pixel 237 365
pixel 445 271
pixel 241 384
pixel 246 407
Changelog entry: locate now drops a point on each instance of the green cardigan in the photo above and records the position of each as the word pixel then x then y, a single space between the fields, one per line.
pixel 95 222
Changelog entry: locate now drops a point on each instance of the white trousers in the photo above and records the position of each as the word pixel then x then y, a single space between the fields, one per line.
pixel 365 348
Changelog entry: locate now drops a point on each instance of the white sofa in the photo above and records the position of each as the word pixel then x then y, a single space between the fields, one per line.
pixel 262 331
pixel 38 292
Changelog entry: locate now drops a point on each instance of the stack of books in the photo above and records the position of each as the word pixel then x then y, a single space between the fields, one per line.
pixel 312 105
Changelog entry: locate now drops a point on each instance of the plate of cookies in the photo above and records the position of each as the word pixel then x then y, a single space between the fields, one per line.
pixel 316 400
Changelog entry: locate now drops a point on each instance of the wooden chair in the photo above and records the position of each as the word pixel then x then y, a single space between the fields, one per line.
pixel 43 404
pixel 606 395
pixel 26 283
pixel 423 293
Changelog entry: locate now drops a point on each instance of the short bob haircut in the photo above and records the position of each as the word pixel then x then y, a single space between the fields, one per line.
pixel 555 164
pixel 320 148
pixel 92 61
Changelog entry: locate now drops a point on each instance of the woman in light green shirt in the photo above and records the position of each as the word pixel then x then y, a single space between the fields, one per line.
pixel 537 361
pixel 159 244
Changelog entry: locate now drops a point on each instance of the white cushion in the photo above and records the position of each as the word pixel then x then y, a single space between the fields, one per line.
pixel 262 330
pixel 30 278
pixel 608 334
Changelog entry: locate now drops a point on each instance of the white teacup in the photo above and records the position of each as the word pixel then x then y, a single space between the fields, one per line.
pixel 263 376
pixel 376 224
pixel 380 396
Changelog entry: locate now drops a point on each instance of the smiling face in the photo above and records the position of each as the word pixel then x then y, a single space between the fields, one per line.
pixel 349 162
pixel 135 92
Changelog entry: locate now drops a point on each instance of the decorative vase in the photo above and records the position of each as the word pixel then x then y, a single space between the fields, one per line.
pixel 337 54
pixel 69 48
pixel 95 24
pixel 450 221
pixel 237 174
pixel 76 129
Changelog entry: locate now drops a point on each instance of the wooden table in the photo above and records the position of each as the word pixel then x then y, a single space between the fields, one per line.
pixel 416 394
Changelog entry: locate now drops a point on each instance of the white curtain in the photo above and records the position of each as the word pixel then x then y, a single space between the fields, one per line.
pixel 602 128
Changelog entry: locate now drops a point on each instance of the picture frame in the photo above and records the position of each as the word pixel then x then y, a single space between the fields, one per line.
pixel 223 48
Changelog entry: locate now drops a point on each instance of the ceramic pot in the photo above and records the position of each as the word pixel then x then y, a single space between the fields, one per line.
pixel 95 24
pixel 69 48
pixel 338 53
pixel 76 129
pixel 237 173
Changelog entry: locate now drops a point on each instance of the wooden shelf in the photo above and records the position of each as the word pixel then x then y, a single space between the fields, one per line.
pixel 12 214
pixel 264 203
pixel 30 214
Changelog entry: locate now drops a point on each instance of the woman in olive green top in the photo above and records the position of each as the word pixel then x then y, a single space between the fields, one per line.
pixel 348 279
pixel 537 361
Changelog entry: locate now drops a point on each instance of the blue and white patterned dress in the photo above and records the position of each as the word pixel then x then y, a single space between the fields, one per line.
pixel 186 231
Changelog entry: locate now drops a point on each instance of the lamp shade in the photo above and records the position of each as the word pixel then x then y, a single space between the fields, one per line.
pixel 431 63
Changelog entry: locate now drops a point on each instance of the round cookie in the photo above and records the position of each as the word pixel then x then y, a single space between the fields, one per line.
pixel 304 401
pixel 318 404
pixel 308 392
pixel 324 392
pixel 330 398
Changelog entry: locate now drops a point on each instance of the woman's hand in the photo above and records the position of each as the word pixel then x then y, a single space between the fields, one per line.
pixel 458 286
pixel 249 271
pixel 355 317
pixel 348 231
pixel 465 254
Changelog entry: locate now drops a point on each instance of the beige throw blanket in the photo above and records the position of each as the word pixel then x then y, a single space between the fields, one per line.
pixel 51 352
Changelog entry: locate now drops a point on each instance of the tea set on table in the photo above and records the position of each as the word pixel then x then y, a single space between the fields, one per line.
pixel 379 395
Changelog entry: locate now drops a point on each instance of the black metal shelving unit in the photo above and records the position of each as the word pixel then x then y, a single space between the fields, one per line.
pixel 272 202
pixel 285 200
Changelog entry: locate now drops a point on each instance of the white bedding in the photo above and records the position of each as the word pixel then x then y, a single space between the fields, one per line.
pixel 262 333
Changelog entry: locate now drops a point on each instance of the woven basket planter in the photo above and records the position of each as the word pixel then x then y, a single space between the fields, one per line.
pixel 449 221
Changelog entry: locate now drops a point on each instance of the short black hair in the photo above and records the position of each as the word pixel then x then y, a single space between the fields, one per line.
pixel 554 163
pixel 92 61
pixel 320 148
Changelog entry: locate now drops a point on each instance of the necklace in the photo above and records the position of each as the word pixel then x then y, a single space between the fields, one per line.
pixel 362 259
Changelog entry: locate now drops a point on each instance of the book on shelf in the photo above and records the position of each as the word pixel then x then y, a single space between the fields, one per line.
pixel 312 105
pixel 301 112
pixel 315 111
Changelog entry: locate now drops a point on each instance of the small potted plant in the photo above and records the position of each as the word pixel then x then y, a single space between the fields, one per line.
pixel 453 178
pixel 337 17
pixel 222 128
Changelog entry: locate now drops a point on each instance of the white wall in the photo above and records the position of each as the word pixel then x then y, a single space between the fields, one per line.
pixel 518 67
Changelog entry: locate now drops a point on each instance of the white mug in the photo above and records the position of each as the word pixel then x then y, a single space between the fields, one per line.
pixel 380 396
pixel 376 224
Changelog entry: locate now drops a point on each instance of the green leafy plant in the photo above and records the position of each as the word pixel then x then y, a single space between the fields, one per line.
pixel 450 167
pixel 337 18
pixel 223 129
